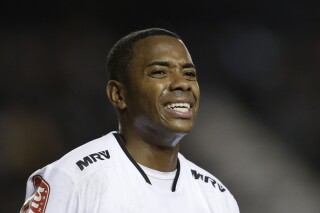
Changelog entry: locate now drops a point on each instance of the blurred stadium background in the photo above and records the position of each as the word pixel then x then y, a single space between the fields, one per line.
pixel 259 71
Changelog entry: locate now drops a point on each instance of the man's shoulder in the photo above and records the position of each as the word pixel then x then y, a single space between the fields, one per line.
pixel 83 160
pixel 206 180
pixel 209 184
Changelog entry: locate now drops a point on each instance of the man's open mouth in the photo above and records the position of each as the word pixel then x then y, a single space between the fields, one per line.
pixel 181 107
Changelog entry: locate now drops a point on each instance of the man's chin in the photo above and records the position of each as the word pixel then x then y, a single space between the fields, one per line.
pixel 182 129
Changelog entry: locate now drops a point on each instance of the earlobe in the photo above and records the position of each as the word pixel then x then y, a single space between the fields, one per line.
pixel 115 92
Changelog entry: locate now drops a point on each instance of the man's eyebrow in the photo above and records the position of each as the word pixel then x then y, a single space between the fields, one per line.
pixel 188 65
pixel 159 63
pixel 167 64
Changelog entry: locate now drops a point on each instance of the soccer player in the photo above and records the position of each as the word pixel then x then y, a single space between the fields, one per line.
pixel 152 84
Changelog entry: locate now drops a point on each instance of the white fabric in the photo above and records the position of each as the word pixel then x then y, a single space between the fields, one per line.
pixel 115 185
pixel 162 181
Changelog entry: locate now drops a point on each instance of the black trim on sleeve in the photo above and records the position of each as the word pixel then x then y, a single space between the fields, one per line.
pixel 122 145
pixel 174 184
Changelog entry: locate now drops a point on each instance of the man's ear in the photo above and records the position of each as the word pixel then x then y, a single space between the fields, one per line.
pixel 115 92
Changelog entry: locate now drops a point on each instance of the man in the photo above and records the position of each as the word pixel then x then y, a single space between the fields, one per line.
pixel 153 87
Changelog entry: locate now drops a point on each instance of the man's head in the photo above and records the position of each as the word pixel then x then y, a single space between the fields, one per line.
pixel 159 95
pixel 119 57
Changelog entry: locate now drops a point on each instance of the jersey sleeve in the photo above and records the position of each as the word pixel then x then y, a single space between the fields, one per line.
pixel 234 206
pixel 51 190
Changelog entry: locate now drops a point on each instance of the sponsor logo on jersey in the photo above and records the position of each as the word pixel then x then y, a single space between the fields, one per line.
pixel 207 179
pixel 92 158
pixel 38 201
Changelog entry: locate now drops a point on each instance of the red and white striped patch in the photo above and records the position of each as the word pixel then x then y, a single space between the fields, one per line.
pixel 37 202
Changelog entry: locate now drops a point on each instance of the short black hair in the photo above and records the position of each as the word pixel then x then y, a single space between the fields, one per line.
pixel 120 55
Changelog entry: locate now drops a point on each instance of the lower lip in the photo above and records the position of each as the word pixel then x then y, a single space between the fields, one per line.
pixel 178 114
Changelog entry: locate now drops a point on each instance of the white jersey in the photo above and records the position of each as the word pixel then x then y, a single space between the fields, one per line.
pixel 102 177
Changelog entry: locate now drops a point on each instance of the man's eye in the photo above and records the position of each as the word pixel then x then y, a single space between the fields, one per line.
pixel 158 73
pixel 190 74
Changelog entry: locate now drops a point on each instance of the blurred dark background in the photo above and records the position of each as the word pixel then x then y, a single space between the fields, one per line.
pixel 258 63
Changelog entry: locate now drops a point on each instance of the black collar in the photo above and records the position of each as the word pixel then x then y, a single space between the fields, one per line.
pixel 144 175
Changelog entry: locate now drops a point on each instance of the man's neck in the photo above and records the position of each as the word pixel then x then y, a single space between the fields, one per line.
pixel 150 154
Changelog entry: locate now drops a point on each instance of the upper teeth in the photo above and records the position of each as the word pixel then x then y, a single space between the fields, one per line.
pixel 178 106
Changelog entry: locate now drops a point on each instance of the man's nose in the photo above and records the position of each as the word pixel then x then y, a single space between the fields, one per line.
pixel 179 82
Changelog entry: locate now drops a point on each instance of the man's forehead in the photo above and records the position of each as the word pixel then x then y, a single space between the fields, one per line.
pixel 160 48
pixel 153 41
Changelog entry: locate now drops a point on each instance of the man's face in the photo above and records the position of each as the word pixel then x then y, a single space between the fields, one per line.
pixel 163 92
